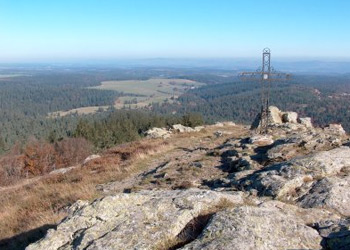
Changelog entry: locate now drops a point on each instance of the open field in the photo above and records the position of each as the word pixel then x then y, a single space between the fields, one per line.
pixel 149 87
pixel 8 76
pixel 80 111
pixel 139 93
pixel 142 93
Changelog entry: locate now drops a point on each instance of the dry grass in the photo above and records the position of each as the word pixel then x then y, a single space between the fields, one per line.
pixel 308 179
pixel 43 202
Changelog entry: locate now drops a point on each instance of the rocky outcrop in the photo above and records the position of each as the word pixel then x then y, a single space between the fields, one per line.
pixel 157 133
pixel 288 180
pixel 285 190
pixel 189 219
pixel 275 115
pixel 292 144
pixel 142 220
pixel 278 117
pixel 178 128
pixel 182 129
pixel 331 192
pixel 165 133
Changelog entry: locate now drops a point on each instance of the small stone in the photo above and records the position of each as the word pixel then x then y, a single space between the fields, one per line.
pixel 218 133
pixel 197 164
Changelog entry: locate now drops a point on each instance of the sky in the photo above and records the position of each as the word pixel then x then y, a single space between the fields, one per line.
pixel 39 30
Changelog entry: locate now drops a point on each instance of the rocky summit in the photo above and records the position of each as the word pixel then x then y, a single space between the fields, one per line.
pixel 224 189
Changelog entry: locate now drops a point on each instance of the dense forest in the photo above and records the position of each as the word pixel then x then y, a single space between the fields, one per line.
pixel 324 98
pixel 27 98
pixel 30 94
pixel 25 102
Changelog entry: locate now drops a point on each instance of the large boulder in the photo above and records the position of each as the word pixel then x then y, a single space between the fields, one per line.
pixel 291 117
pixel 306 121
pixel 181 128
pixel 144 220
pixel 335 128
pixel 250 227
pixel 285 120
pixel 158 133
pixel 275 115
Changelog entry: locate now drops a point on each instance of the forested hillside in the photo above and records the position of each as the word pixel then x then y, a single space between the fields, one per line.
pixel 27 98
pixel 28 95
pixel 324 98
pixel 25 102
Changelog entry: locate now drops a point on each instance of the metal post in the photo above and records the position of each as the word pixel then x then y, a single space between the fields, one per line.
pixel 266 75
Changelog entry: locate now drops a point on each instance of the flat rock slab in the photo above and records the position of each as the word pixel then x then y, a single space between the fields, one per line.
pixel 142 220
pixel 250 227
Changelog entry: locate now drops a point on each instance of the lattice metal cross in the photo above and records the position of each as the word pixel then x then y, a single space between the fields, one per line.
pixel 266 74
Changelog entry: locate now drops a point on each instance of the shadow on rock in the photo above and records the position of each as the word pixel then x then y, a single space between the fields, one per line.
pixel 22 240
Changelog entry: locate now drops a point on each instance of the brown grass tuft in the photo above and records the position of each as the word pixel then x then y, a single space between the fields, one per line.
pixel 307 179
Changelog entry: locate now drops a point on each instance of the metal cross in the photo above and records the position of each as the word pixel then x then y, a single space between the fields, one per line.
pixel 265 75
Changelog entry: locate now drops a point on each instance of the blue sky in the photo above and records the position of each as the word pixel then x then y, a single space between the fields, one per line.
pixel 32 30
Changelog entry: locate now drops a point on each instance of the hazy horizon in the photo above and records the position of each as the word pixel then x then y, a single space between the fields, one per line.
pixel 225 64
